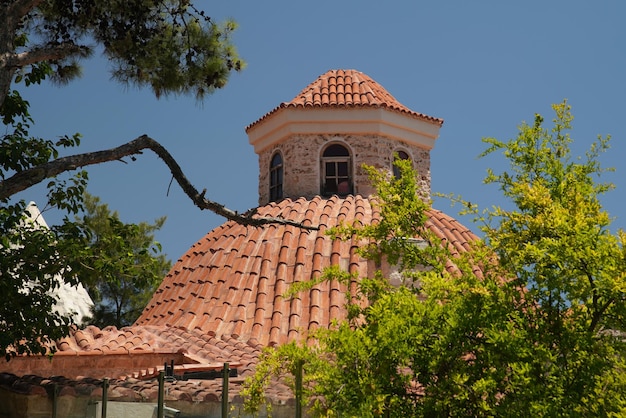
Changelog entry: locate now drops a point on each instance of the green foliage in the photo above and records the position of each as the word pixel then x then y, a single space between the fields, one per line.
pixel 528 325
pixel 403 216
pixel 167 45
pixel 31 257
pixel 121 265
pixel 29 269
pixel 558 239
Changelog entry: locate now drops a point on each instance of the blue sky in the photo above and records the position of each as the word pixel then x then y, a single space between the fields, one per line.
pixel 482 66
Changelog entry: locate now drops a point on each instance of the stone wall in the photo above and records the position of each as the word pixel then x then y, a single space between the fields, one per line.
pixel 301 163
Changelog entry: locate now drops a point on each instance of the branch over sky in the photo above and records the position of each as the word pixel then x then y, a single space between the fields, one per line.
pixel 36 174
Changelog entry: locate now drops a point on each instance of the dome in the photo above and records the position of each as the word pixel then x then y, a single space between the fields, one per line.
pixel 227 297
pixel 223 302
pixel 233 282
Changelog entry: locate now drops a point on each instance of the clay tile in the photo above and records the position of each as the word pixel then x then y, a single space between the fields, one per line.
pixel 332 98
pixel 212 326
pixel 150 394
pixel 210 397
pixel 323 87
pixel 347 87
pixel 63 345
pixel 274 337
pixel 7 379
pixel 181 395
pixel 120 393
pixel 37 390
pixel 79 335
pixel 67 391
pixel 25 387
pixel 317 99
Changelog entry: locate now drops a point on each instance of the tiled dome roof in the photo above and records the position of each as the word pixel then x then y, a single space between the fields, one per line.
pixel 225 299
pixel 231 284
pixel 347 89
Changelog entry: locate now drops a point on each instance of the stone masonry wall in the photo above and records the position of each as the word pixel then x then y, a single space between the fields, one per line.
pixel 301 163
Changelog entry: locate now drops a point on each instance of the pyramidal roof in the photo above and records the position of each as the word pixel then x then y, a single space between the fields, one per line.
pixel 347 89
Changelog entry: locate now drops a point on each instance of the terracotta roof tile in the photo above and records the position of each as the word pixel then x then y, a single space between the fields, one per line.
pixel 242 293
pixel 347 89
pixel 225 299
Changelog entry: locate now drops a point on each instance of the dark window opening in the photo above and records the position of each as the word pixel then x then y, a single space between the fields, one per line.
pixel 336 150
pixel 276 178
pixel 336 175
pixel 399 155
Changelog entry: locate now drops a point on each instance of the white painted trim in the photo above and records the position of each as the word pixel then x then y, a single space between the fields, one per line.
pixel 337 121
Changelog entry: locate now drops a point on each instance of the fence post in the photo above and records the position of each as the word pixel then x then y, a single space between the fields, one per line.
pixel 105 397
pixel 225 377
pixel 161 399
pixel 298 377
pixel 55 400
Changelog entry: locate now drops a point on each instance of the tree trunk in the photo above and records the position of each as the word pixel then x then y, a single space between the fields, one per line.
pixel 7 35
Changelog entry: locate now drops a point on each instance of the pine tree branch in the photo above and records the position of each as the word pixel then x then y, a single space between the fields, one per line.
pixel 28 178
pixel 48 53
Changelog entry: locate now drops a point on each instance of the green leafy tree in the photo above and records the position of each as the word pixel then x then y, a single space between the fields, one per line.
pixel 123 266
pixel 168 46
pixel 526 323
pixel 30 266
pixel 31 261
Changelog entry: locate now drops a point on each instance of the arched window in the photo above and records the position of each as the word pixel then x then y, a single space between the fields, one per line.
pixel 276 177
pixel 399 155
pixel 336 173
